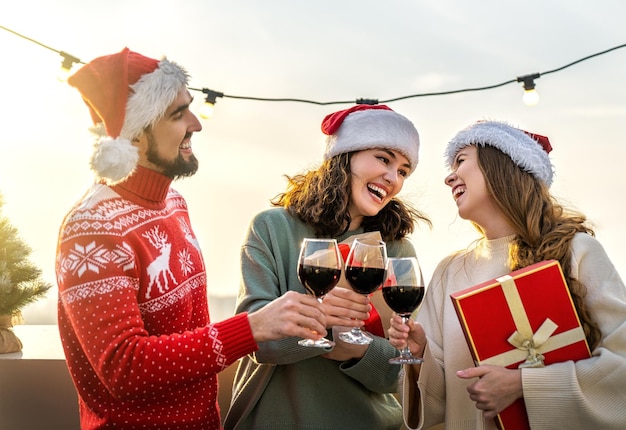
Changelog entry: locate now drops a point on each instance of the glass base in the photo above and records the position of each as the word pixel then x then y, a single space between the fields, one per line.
pixel 403 359
pixel 356 337
pixel 320 343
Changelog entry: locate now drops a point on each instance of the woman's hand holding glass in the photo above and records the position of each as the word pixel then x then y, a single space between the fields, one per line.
pixel 409 334
pixel 403 291
pixel 345 309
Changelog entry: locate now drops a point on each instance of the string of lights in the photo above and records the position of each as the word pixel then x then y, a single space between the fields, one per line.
pixel 530 96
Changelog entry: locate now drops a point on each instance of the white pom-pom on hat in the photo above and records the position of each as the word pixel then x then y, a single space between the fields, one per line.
pixel 114 159
pixel 527 150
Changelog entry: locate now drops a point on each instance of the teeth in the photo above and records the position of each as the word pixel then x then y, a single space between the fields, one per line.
pixel 458 191
pixel 185 145
pixel 382 193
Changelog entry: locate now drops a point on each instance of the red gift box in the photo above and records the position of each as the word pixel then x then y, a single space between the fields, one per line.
pixel 524 319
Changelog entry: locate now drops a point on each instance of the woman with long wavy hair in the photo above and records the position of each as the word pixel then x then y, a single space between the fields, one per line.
pixel 370 151
pixel 500 178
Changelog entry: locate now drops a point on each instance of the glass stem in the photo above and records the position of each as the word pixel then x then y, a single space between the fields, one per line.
pixel 405 352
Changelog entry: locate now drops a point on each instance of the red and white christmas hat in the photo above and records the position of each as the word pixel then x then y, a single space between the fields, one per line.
pixel 528 150
pixel 367 127
pixel 126 92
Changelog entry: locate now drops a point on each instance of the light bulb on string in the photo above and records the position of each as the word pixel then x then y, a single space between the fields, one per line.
pixel 66 66
pixel 531 96
pixel 208 107
pixel 206 110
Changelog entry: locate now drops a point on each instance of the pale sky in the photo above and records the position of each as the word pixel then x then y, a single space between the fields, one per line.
pixel 327 50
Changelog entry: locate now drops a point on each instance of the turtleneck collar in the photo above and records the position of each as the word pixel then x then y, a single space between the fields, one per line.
pixel 145 187
pixel 486 248
pixel 497 244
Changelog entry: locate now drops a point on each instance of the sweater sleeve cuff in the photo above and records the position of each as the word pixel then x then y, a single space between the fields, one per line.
pixel 236 337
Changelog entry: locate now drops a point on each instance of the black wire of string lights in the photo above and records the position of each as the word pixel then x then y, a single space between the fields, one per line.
pixel 527 80
pixel 211 96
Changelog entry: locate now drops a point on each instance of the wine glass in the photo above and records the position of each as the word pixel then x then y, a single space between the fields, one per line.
pixel 319 270
pixel 403 291
pixel 365 270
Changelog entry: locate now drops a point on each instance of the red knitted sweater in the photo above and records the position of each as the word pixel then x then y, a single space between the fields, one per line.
pixel 133 313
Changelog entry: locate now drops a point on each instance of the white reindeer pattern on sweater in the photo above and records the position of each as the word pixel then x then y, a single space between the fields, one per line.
pixel 160 266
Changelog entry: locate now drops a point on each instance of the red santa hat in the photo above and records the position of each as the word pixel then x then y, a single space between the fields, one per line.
pixel 367 127
pixel 528 150
pixel 125 92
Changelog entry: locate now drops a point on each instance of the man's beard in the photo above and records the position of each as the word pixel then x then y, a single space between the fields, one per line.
pixel 174 169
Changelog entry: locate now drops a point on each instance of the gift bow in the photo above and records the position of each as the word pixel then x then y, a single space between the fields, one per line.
pixel 533 344
pixel 529 346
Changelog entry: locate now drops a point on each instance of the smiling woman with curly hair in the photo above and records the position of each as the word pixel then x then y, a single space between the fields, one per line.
pixel 370 151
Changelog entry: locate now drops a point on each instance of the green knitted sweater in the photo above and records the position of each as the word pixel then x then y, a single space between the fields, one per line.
pixel 286 386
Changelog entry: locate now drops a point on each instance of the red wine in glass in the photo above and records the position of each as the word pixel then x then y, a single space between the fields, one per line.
pixel 318 280
pixel 404 299
pixel 403 291
pixel 364 280
pixel 365 271
pixel 319 270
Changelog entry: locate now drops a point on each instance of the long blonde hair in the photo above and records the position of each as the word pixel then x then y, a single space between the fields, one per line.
pixel 544 227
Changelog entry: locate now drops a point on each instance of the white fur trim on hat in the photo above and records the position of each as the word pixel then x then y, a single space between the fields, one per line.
pixel 369 129
pixel 525 152
pixel 152 94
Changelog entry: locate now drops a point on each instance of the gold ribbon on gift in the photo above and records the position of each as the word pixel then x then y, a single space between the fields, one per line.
pixel 529 346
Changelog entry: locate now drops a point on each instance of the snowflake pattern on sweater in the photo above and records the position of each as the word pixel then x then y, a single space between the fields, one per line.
pixel 133 311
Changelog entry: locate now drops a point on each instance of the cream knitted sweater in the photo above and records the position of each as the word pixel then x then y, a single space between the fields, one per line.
pixel 588 394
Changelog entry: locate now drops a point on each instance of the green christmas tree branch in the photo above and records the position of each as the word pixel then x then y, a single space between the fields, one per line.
pixel 20 280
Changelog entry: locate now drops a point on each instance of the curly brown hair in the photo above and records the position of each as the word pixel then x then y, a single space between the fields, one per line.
pixel 321 198
pixel 544 228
